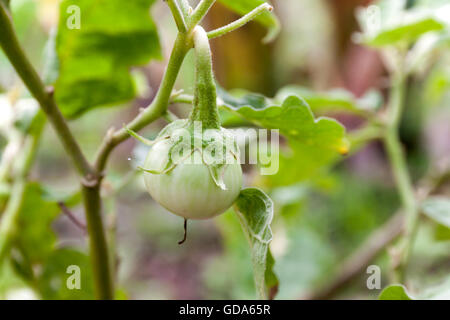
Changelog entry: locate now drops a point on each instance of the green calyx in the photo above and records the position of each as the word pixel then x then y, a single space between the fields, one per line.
pixel 186 140
pixel 205 95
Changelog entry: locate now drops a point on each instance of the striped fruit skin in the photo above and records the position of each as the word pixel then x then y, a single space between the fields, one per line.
pixel 189 190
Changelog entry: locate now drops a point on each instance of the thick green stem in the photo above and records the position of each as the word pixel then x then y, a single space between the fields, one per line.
pixel 156 109
pixel 400 169
pixel 205 95
pixel 90 178
pixel 97 244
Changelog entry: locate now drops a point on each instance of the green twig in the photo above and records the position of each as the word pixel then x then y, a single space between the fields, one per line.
pixel 184 7
pixel 182 98
pixel 156 109
pixel 200 11
pixel 9 225
pixel 170 116
pixel 240 22
pixel 400 169
pixel 177 15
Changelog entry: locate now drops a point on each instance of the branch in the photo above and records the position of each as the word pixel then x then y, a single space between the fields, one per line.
pixel 200 11
pixel 8 227
pixel 376 243
pixel 156 109
pixel 400 168
pixel 170 116
pixel 16 55
pixel 358 261
pixel 71 216
pixel 90 179
pixel 240 22
pixel 185 7
pixel 101 265
pixel 177 15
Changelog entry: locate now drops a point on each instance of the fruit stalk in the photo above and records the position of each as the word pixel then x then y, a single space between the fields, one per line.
pixel 205 93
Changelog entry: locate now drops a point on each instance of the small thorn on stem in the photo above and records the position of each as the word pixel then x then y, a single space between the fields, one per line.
pixel 185 233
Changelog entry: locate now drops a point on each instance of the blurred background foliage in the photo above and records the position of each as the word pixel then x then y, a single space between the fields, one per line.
pixel 324 207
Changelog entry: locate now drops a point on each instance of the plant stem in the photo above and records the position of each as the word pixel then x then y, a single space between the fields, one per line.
pixel 360 259
pixel 156 109
pixel 8 228
pixel 205 98
pixel 240 22
pixel 6 2
pixel 16 55
pixel 182 98
pixel 9 225
pixel 170 116
pixel 91 180
pixel 200 11
pixel 97 244
pixel 400 169
pixel 184 7
pixel 177 15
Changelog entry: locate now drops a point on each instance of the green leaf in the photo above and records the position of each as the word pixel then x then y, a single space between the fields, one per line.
pixel 392 25
pixel 438 209
pixel 54 278
pixel 271 278
pixel 441 233
pixel 395 292
pixel 267 19
pixel 37 213
pixel 437 84
pixel 314 143
pixel 295 120
pixel 95 60
pixel 405 33
pixel 9 279
pixel 399 292
pixel 302 162
pixel 333 100
pixel 255 212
